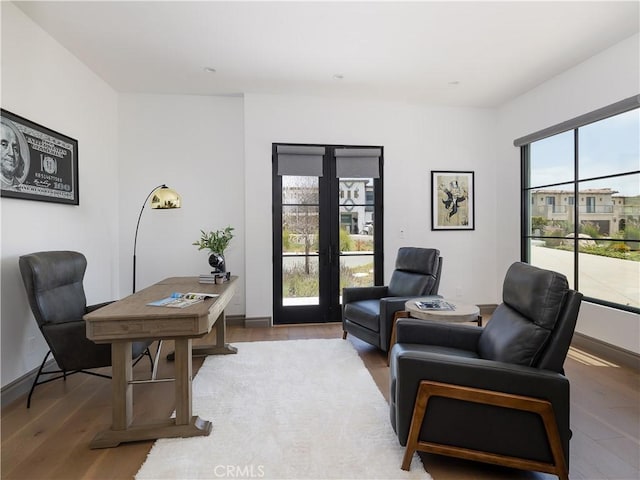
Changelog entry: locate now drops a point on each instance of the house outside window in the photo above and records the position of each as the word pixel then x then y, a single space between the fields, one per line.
pixel 581 203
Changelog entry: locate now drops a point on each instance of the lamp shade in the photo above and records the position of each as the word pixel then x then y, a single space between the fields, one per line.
pixel 164 198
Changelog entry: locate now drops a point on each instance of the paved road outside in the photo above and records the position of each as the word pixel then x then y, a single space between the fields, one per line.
pixel 610 279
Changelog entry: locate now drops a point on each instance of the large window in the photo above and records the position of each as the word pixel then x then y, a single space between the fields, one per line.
pixel 581 203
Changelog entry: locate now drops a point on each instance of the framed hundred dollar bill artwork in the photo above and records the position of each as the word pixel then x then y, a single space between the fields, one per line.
pixel 452 200
pixel 37 163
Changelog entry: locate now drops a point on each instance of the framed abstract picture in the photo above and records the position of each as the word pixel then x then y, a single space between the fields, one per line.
pixel 452 200
pixel 37 163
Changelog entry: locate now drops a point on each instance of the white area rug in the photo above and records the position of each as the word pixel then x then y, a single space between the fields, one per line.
pixel 298 409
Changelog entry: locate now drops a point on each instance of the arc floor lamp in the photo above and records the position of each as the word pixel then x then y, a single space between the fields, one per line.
pixel 162 198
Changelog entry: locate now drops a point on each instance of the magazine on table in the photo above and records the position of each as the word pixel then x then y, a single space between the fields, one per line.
pixel 182 300
pixel 435 305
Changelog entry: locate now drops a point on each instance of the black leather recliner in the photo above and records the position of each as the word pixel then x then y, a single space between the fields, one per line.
pixel 53 281
pixel 496 394
pixel 367 312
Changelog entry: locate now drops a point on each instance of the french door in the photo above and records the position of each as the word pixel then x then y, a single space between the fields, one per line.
pixel 327 227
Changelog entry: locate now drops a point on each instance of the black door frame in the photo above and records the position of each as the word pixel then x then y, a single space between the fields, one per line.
pixel 329 308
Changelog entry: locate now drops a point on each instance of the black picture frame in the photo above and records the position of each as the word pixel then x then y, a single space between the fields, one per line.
pixel 46 168
pixel 452 200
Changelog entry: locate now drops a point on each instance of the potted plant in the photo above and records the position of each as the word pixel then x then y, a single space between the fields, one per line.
pixel 216 242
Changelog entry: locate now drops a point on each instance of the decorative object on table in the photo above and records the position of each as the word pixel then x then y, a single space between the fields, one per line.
pixel 162 198
pixel 182 300
pixel 37 163
pixel 216 242
pixel 452 200
pixel 435 304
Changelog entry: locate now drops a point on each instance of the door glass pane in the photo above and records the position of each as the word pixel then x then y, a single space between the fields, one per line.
pixel 300 229
pixel 356 199
pixel 357 223
pixel 356 271
pixel 299 190
pixel 552 160
pixel 300 282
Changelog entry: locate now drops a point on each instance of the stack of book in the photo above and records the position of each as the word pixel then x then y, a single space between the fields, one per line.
pixel 435 305
pixel 208 277
pixel 211 277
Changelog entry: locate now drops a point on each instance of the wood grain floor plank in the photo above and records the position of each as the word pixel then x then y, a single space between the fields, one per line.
pixel 50 440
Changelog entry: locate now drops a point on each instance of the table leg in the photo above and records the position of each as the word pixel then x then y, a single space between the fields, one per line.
pixel 184 375
pixel 121 390
pixel 184 425
pixel 220 348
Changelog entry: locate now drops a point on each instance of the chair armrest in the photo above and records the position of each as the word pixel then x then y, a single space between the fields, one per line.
pixel 93 308
pixel 432 332
pixel 355 294
pixel 409 366
pixel 412 365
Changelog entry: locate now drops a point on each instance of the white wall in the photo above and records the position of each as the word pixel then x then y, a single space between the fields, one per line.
pixel 604 79
pixel 416 140
pixel 194 144
pixel 44 83
pixel 217 153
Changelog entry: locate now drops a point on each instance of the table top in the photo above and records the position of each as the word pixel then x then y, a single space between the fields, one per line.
pixel 461 313
pixel 132 318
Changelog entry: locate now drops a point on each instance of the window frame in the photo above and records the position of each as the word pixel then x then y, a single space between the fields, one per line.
pixel 527 191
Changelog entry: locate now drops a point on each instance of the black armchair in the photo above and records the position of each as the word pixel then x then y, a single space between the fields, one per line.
pixel 367 312
pixel 53 281
pixel 496 394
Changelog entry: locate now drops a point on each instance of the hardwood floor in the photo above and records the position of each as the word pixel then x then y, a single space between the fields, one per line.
pixel 50 440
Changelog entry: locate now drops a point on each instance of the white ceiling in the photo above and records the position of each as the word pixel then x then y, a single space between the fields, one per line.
pixel 479 54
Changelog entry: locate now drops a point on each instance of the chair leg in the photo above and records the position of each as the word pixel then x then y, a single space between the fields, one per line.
pixel 35 381
pixel 64 375
pixel 344 334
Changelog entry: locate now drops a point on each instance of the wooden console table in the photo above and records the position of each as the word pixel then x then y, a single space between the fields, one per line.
pixel 130 319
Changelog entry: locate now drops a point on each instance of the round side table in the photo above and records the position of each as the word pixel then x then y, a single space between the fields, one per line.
pixel 462 313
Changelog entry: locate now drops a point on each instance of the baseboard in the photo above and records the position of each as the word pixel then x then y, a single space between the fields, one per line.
pixel 20 387
pixel 235 320
pixel 607 351
pixel 254 322
pixel 257 322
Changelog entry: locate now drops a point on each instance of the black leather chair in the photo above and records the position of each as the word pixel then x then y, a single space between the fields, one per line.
pixel 53 281
pixel 368 312
pixel 496 394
